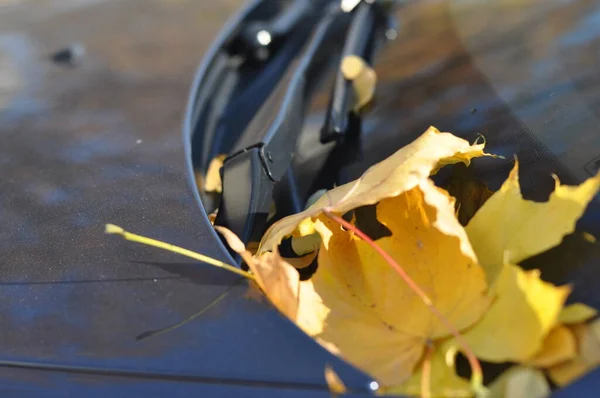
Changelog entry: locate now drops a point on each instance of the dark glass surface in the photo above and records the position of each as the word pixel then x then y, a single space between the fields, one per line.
pixel 101 142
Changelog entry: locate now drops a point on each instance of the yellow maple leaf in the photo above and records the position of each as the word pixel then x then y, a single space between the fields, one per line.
pixel 509 229
pixel 521 298
pixel 350 304
pixel 359 308
pixel 399 173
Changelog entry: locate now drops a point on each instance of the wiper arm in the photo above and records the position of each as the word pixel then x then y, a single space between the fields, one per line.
pixel 258 38
pixel 362 40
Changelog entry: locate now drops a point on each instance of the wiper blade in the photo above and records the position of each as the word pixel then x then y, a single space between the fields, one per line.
pixel 264 153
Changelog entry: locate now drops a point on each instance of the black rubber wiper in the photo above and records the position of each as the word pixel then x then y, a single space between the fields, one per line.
pixel 264 152
pixel 251 97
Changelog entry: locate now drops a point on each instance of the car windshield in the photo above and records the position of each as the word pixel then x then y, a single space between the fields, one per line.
pixel 523 74
pixel 542 58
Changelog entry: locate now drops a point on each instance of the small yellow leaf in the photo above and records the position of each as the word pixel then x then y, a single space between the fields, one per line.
pixel 399 173
pixel 335 384
pixel 212 181
pixel 509 229
pixel 576 313
pixel 558 346
pixel 363 78
pixel 589 237
pixel 523 313
pixel 306 244
pixel 276 278
pixel 520 382
pixel 279 281
pixel 588 355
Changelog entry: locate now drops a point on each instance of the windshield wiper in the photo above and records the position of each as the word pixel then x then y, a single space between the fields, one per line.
pixel 304 44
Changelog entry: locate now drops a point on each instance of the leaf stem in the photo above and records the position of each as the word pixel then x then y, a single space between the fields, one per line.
pixel 477 374
pixel 426 372
pixel 116 230
pixel 210 305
